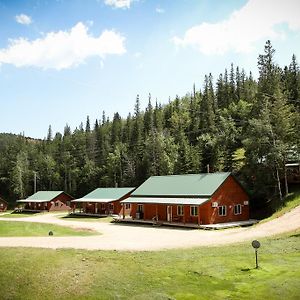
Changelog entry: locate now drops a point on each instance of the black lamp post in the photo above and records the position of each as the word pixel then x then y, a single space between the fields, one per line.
pixel 256 245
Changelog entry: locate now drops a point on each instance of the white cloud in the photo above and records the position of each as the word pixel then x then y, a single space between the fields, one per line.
pixel 23 19
pixel 62 49
pixel 119 3
pixel 255 21
pixel 159 10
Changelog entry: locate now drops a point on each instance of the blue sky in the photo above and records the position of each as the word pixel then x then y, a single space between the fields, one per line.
pixel 63 60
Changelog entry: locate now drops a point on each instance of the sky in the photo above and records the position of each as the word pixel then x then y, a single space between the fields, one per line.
pixel 64 60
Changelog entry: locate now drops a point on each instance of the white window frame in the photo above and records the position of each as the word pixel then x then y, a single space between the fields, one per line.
pixel 194 211
pixel 180 210
pixel 127 206
pixel 223 212
pixel 239 209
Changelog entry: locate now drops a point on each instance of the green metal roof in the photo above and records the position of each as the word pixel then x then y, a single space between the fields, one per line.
pixel 198 185
pixel 105 194
pixel 44 196
pixel 165 200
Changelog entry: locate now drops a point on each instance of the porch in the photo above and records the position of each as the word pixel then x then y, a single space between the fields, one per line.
pixel 128 219
pixel 90 208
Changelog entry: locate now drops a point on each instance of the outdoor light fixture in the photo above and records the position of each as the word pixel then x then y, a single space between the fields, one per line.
pixel 256 245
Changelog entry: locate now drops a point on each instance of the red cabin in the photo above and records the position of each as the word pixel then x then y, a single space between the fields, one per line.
pixel 3 205
pixel 102 201
pixel 190 199
pixel 47 201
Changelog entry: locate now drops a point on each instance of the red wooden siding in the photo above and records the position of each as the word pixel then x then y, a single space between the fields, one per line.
pixel 229 194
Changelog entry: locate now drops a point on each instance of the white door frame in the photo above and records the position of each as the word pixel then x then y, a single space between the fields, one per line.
pixel 169 213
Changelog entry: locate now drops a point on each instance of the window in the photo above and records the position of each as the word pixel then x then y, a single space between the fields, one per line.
pixel 56 203
pixel 194 211
pixel 127 205
pixel 238 209
pixel 180 210
pixel 111 206
pixel 222 210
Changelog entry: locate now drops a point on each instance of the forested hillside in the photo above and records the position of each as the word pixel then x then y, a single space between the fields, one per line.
pixel 235 123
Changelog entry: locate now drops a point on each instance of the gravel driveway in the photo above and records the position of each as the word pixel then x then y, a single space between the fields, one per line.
pixel 132 237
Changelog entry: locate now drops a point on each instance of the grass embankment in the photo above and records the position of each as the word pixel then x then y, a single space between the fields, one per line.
pixel 17 229
pixel 225 272
pixel 291 201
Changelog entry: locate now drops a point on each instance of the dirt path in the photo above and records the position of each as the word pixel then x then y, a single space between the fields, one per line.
pixel 133 237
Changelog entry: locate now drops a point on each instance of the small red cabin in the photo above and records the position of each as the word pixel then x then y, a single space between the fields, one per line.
pixel 3 205
pixel 47 201
pixel 190 199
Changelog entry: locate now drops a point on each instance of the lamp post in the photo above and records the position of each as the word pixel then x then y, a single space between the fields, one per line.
pixel 256 245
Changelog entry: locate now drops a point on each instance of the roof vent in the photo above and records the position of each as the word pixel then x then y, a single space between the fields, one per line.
pixel 214 204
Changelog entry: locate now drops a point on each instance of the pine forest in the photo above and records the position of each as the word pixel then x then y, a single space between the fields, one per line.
pixel 233 123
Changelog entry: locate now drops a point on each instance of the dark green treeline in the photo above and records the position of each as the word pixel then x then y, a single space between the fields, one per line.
pixel 234 123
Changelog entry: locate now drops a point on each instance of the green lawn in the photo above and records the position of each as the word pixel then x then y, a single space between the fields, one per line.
pixel 14 229
pixel 200 273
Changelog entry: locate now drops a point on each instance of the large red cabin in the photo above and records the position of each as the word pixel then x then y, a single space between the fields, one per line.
pixel 190 199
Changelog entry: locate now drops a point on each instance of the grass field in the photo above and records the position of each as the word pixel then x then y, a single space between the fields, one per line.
pixel 202 273
pixel 15 229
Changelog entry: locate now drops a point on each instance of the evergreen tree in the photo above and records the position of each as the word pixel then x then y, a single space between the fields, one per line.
pixel 49 134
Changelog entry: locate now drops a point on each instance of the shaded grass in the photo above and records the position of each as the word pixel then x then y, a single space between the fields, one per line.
pixel 86 219
pixel 225 272
pixel 291 201
pixel 17 229
pixel 18 215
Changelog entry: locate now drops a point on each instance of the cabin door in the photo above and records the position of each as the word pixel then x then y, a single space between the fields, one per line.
pixel 169 213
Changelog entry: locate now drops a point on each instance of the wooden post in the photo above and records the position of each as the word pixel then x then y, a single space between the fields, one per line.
pixel 156 212
pixel 199 215
pixel 183 214
pixel 123 205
